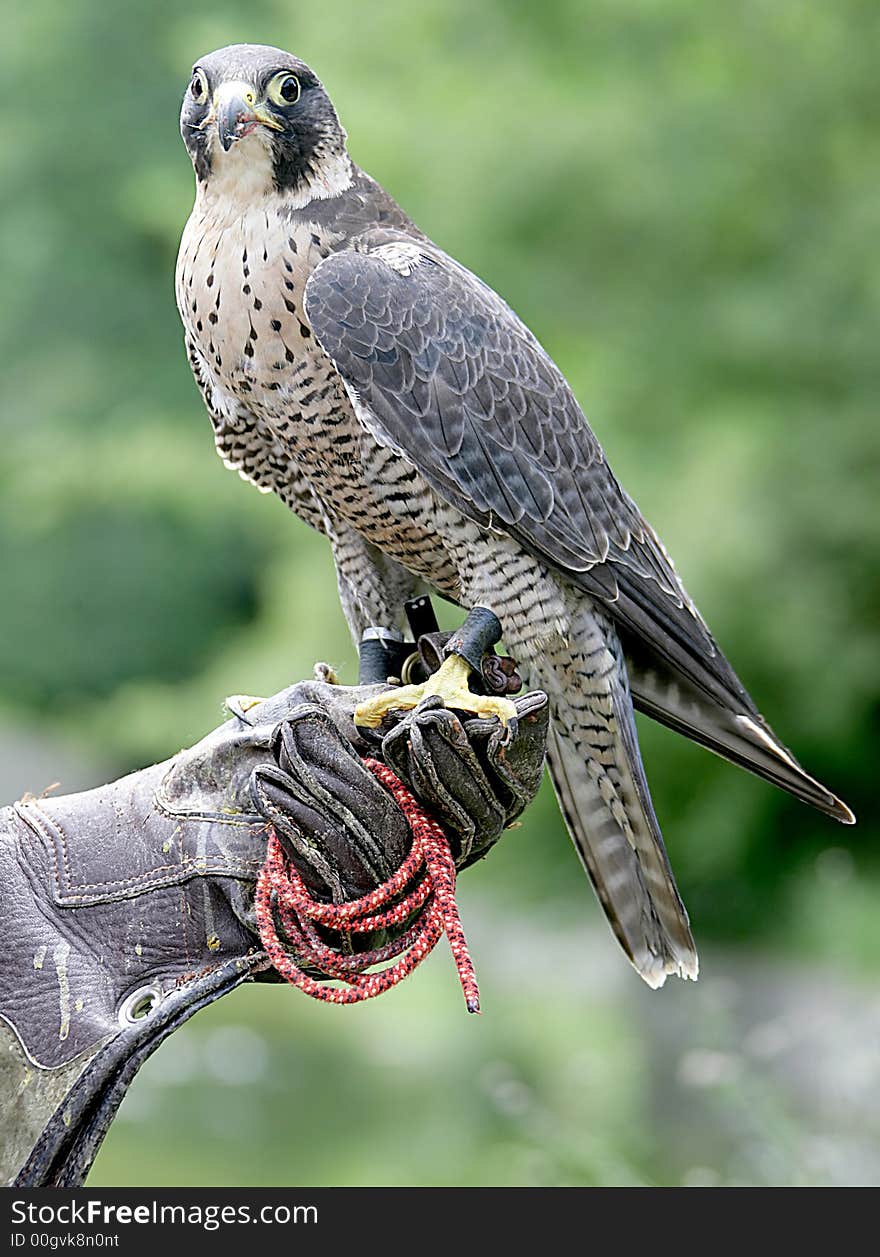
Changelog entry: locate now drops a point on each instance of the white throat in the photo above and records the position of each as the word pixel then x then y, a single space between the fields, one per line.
pixel 243 176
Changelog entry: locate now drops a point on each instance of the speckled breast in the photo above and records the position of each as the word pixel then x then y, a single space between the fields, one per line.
pixel 240 289
pixel 240 286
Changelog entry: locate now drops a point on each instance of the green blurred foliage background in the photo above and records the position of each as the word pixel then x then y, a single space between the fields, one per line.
pixel 683 201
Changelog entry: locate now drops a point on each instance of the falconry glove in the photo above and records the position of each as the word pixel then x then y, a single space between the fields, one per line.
pixel 127 908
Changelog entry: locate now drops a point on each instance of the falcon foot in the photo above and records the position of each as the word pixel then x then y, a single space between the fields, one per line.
pixel 450 683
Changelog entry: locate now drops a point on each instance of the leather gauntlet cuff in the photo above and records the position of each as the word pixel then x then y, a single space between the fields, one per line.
pixel 127 908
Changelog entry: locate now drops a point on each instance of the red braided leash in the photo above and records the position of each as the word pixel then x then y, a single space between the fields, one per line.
pixel 281 890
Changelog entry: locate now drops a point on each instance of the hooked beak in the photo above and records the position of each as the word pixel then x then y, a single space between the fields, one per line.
pixel 236 112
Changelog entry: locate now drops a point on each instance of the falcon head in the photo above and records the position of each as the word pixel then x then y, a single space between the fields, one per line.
pixel 256 118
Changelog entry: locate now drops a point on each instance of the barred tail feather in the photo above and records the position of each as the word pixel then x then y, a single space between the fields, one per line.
pixel 614 867
pixel 604 799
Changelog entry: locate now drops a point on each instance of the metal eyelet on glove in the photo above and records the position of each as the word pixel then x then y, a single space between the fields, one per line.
pixel 139 1005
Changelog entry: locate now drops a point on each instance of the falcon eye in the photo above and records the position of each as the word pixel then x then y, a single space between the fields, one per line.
pixel 199 85
pixel 284 89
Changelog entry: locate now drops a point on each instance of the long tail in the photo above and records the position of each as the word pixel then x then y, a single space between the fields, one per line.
pixel 603 794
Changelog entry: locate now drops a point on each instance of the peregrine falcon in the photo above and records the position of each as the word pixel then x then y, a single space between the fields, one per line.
pixel 397 404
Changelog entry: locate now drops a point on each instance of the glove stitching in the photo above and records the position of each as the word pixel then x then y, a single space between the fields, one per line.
pixel 45 825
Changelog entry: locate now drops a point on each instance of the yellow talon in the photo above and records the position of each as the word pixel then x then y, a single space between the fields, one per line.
pixel 449 682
